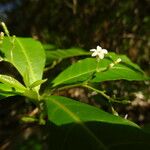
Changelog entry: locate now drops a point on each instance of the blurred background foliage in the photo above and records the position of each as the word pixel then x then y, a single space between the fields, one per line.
pixel 119 26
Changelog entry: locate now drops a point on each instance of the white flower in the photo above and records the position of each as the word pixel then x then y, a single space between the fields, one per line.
pixel 99 52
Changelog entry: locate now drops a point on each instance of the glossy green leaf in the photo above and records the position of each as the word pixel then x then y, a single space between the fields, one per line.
pixel 83 69
pixel 5 87
pixel 27 55
pixel 32 94
pixel 6 91
pixel 52 55
pixel 118 72
pixel 73 111
pixel 125 70
pixel 77 72
pixel 86 127
pixel 125 60
pixel 37 83
pixel 10 81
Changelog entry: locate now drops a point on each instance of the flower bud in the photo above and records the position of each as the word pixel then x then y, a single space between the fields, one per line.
pixel 111 65
pixel 5 28
pixel 118 60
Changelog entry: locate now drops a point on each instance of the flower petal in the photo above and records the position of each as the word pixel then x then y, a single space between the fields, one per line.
pixel 105 51
pixel 101 55
pixel 94 54
pixel 98 48
pixel 92 50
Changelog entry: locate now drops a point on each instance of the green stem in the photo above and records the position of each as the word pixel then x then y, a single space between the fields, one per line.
pixel 55 62
pixel 106 96
pixel 69 86
pixel 97 68
pixel 94 89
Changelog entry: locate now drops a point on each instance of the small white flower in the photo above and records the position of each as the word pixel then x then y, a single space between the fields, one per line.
pixel 99 52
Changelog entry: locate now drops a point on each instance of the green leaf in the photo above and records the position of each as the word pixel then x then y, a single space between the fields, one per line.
pixel 118 72
pixel 64 53
pixel 10 81
pixel 37 83
pixel 5 95
pixel 6 91
pixel 77 72
pixel 84 69
pixel 5 87
pixel 49 47
pixel 32 94
pixel 73 111
pixel 125 60
pixel 27 55
pixel 126 70
pixel 86 127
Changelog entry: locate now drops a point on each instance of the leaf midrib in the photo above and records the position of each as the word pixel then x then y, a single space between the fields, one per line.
pixel 74 77
pixel 27 60
pixel 62 81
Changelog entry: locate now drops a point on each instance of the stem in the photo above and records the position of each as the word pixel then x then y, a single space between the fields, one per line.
pixel 102 93
pixel 94 89
pixel 55 62
pixel 34 112
pixel 110 100
pixel 106 96
pixel 70 86
pixel 97 68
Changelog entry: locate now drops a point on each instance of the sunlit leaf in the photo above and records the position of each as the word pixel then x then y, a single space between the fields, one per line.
pixel 83 70
pixel 27 55
pixel 37 83
pixel 73 111
pixel 10 81
pixel 6 91
pixel 79 123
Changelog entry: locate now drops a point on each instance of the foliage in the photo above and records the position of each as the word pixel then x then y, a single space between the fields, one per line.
pixel 75 120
